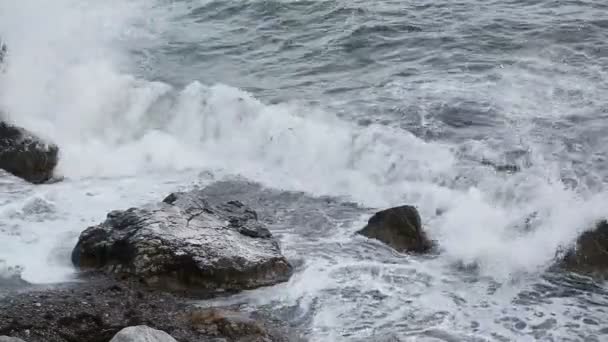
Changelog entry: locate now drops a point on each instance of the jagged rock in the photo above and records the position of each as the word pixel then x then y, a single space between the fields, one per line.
pixel 187 242
pixel 97 308
pixel 590 254
pixel 25 155
pixel 142 333
pixel 400 228
pixel 6 338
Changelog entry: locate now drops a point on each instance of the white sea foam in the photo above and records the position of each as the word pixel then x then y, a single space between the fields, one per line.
pixel 66 79
pixel 126 140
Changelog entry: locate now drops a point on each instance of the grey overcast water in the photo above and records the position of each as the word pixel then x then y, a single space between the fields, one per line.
pixel 489 116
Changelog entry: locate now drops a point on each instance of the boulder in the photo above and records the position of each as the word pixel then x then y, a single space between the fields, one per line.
pixel 6 338
pixel 590 254
pixel 25 155
pixel 400 228
pixel 142 333
pixel 188 242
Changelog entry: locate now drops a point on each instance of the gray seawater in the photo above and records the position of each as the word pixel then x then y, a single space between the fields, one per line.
pixel 489 116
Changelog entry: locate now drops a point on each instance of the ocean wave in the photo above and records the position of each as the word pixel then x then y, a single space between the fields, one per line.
pixel 111 122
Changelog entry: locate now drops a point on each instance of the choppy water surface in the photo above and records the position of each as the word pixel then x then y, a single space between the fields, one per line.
pixel 490 117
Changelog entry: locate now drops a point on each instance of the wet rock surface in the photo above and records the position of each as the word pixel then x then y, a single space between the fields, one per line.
pixel 400 228
pixel 142 333
pixel 189 242
pixel 25 155
pixel 97 309
pixel 590 254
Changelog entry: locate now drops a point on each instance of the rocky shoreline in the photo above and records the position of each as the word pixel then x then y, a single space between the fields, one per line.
pixel 98 307
pixel 142 267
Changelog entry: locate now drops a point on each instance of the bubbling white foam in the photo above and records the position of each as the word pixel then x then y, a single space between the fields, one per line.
pixel 68 78
pixel 297 147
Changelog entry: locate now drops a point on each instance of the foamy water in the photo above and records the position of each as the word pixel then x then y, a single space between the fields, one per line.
pixel 73 75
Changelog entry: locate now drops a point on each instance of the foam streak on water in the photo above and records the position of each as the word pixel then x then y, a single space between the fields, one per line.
pixel 77 73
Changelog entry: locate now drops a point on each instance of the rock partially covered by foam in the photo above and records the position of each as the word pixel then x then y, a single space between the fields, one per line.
pixel 590 254
pixel 142 333
pixel 25 155
pixel 189 242
pixel 400 228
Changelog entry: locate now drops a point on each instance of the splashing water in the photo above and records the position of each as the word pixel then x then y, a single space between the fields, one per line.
pixel 72 75
pixel 71 84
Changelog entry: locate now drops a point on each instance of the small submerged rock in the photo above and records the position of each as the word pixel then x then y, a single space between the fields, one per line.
pixel 25 155
pixel 189 242
pixel 400 228
pixel 590 254
pixel 142 333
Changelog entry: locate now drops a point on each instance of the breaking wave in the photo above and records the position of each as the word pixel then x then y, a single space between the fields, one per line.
pixel 71 78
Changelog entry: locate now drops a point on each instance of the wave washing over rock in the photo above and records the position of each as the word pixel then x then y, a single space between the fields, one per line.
pixel 488 118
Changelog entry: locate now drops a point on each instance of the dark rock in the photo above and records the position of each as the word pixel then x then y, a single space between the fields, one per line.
pixel 400 228
pixel 3 51
pixel 511 168
pixel 189 242
pixel 66 314
pixel 25 155
pixel 142 333
pixel 590 254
